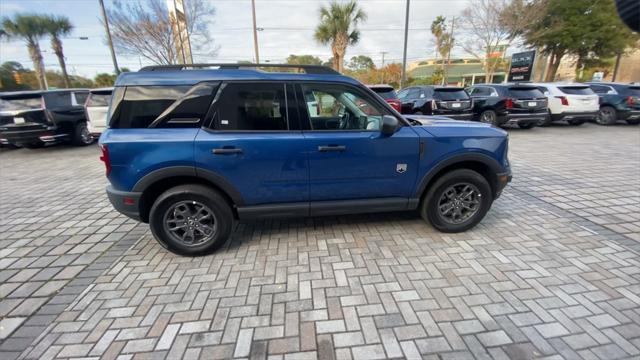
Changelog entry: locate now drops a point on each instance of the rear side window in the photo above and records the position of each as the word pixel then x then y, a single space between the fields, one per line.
pixel 525 93
pixel 385 93
pixel 576 90
pixel 99 99
pixel 163 106
pixel 57 99
pixel 634 91
pixel 252 107
pixel 450 94
pixel 599 89
pixel 81 97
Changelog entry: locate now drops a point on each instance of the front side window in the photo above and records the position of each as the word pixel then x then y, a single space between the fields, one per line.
pixel 81 97
pixel 252 107
pixel 341 108
pixel 57 99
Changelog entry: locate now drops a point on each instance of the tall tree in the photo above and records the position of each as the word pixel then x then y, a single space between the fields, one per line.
pixel 338 27
pixel 145 28
pixel 486 34
pixel 361 63
pixel 438 29
pixel 303 60
pixel 587 29
pixel 58 26
pixel 31 28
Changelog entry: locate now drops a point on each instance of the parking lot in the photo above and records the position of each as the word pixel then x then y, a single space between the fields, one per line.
pixel 552 271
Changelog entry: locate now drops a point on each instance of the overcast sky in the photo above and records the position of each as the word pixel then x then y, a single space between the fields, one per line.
pixel 288 29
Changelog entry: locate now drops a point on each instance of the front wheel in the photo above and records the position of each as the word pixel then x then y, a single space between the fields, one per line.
pixel 489 117
pixel 606 116
pixel 191 220
pixel 81 135
pixel 575 122
pixel 457 201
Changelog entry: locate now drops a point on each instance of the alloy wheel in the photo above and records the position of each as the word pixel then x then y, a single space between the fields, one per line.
pixel 190 222
pixel 459 202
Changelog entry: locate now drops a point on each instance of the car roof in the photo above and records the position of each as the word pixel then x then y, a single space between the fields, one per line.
pixel 103 89
pixel 192 77
pixel 39 92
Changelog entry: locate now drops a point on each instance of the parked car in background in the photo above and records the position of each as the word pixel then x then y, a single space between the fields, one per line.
pixel 617 101
pixel 575 103
pixel 388 93
pixel 501 104
pixel 34 118
pixel 191 165
pixel 452 102
pixel 96 109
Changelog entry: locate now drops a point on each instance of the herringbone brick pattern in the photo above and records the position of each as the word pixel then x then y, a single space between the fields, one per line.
pixel 535 280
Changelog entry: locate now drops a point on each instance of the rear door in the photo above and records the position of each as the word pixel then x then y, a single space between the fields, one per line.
pixel 481 96
pixel 254 143
pixel 354 160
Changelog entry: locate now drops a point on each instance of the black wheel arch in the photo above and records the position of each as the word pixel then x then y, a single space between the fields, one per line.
pixel 483 164
pixel 159 181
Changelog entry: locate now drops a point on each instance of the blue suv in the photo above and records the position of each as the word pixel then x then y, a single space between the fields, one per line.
pixel 190 149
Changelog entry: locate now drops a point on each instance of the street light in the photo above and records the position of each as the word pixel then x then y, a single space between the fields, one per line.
pixel 255 32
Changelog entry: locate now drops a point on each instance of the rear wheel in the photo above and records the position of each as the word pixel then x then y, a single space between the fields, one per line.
pixel 457 201
pixel 606 116
pixel 633 121
pixel 489 117
pixel 191 220
pixel 81 135
pixel 575 122
pixel 527 125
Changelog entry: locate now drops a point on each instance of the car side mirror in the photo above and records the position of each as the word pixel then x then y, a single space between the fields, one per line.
pixel 389 125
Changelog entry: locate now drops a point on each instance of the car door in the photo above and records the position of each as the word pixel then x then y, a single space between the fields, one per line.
pixel 408 102
pixel 355 161
pixel 254 143
pixel 480 96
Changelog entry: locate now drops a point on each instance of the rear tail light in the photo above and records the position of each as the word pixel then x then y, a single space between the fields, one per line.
pixel 563 100
pixel 105 158
pixel 631 100
pixel 508 103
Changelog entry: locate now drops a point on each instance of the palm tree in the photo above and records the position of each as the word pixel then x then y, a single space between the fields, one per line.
pixel 338 27
pixel 57 27
pixel 31 28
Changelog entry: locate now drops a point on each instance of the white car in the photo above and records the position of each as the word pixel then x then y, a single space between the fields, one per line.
pixel 575 103
pixel 96 109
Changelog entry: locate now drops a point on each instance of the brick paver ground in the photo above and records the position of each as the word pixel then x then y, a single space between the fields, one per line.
pixel 552 272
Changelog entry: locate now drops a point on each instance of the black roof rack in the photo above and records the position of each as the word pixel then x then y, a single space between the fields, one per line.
pixel 308 69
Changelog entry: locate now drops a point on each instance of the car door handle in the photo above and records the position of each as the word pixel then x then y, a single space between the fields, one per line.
pixel 226 151
pixel 339 148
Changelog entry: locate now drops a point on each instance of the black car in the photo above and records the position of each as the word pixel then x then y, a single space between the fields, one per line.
pixel 34 118
pixel 501 104
pixel 452 102
pixel 617 101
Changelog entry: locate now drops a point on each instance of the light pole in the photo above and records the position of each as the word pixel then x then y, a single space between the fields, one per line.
pixel 382 67
pixel 106 27
pixel 255 32
pixel 404 52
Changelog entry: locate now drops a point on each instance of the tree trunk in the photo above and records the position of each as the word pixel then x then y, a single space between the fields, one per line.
pixel 556 57
pixel 36 57
pixel 56 45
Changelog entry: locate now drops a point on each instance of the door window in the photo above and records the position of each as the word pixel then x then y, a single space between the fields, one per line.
pixel 341 108
pixel 252 107
pixel 414 93
pixel 57 99
pixel 81 97
pixel 403 93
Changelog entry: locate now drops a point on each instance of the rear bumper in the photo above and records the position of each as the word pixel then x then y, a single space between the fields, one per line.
pixel 629 115
pixel 574 116
pixel 527 118
pixel 19 137
pixel 125 202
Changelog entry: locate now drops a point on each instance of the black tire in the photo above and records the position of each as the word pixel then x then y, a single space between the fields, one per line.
pixel 81 135
pixel 186 194
pixel 575 122
pixel 429 206
pixel 547 119
pixel 607 116
pixel 527 125
pixel 489 117
pixel 633 121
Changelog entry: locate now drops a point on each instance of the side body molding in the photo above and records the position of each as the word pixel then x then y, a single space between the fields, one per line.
pixel 175 171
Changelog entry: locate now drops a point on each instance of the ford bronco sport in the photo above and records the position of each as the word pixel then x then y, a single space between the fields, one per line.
pixel 192 148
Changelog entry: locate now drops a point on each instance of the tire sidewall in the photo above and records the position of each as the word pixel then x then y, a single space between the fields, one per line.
pixel 494 117
pixel 77 134
pixel 204 195
pixel 429 207
pixel 606 121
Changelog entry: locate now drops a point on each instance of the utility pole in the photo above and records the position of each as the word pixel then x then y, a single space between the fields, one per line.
pixel 106 27
pixel 616 67
pixel 382 67
pixel 404 52
pixel 255 31
pixel 446 67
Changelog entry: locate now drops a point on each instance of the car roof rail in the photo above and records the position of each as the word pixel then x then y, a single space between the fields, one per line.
pixel 308 69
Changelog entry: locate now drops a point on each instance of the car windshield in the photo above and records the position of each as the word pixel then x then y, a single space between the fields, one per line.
pixel 385 92
pixel 576 90
pixel 99 99
pixel 525 93
pixel 451 94
pixel 21 103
